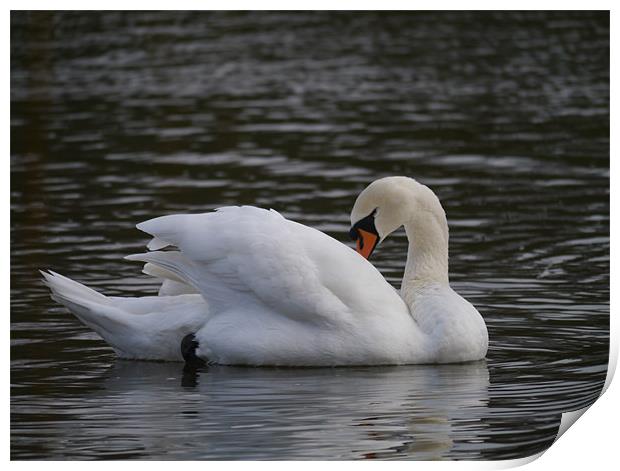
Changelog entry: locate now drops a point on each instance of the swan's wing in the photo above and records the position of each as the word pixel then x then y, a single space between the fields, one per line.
pixel 240 257
pixel 171 285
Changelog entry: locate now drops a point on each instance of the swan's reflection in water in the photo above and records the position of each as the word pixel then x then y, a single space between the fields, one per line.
pixel 422 412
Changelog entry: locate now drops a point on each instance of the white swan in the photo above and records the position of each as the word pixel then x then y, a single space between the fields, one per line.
pixel 259 289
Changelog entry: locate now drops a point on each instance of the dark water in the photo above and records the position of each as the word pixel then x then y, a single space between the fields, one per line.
pixel 116 118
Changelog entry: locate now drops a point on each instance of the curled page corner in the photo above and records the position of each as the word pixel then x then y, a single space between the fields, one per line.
pixel 517 462
pixel 568 419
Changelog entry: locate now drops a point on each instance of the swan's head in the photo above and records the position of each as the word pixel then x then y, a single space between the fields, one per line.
pixel 387 204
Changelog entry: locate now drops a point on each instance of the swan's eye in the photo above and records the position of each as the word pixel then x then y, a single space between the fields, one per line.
pixel 353 234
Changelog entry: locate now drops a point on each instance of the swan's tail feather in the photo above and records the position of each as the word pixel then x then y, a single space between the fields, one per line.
pixel 149 328
pixel 92 308
pixel 66 287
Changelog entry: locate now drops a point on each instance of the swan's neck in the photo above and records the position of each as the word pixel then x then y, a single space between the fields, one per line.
pixel 427 257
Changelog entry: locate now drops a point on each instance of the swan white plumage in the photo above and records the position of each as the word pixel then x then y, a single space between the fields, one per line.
pixel 254 288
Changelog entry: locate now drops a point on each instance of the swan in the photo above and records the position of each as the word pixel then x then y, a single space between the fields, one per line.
pixel 246 286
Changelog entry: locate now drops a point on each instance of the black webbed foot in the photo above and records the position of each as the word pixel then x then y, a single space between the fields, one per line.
pixel 189 344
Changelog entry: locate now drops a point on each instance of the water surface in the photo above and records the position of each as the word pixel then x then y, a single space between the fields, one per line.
pixel 119 117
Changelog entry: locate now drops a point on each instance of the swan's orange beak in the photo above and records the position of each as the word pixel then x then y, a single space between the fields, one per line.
pixel 366 243
pixel 366 235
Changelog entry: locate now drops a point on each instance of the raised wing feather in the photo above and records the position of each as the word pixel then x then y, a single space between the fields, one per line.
pixel 251 258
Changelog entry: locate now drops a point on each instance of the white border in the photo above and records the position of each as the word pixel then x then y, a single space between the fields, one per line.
pixel 310 5
pixel 591 443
